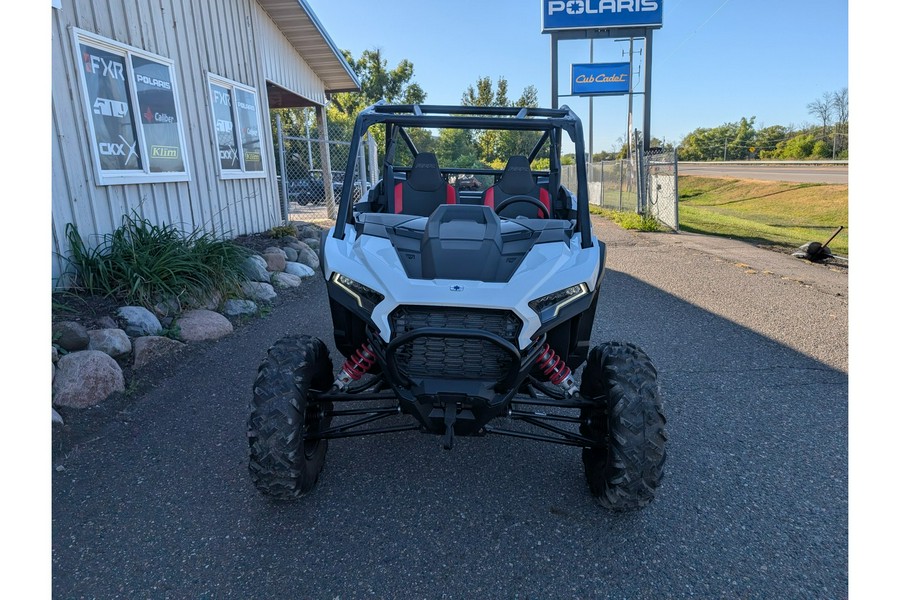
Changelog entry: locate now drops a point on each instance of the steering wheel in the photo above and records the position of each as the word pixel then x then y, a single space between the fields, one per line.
pixel 519 198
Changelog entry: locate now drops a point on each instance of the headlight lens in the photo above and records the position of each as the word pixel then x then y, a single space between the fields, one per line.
pixel 548 307
pixel 365 296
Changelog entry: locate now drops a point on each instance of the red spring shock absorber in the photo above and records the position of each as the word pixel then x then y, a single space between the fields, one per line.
pixel 355 367
pixel 554 367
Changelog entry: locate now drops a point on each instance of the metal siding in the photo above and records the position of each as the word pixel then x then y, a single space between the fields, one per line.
pixel 283 66
pixel 232 38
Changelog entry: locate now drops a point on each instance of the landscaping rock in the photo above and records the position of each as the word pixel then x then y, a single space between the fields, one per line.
pixel 313 243
pixel 290 254
pixel 139 321
pixel 258 292
pixel 114 342
pixel 70 336
pixel 240 308
pixel 57 419
pixel 288 239
pixel 106 322
pixel 201 325
pixel 274 250
pixel 274 261
pixel 149 348
pixel 298 269
pixel 286 280
pixel 86 378
pixel 254 267
pixel 309 258
pixel 55 354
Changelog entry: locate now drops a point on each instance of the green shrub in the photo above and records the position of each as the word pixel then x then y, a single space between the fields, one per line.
pixel 628 220
pixel 145 264
pixel 280 231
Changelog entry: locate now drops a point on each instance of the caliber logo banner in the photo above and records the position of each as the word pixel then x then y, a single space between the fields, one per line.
pixel 600 14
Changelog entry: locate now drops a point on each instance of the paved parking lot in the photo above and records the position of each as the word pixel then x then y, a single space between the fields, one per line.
pixel 752 352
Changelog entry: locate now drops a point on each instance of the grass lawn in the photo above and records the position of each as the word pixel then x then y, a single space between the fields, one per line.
pixel 762 212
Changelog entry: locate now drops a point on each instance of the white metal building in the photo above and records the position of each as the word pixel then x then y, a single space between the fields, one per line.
pixel 161 108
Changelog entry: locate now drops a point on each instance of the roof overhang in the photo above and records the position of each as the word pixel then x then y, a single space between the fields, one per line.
pixel 299 24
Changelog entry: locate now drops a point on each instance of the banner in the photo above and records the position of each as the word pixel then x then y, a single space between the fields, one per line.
pixel 601 79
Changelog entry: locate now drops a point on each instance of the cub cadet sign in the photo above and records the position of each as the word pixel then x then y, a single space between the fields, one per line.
pixel 600 14
pixel 600 79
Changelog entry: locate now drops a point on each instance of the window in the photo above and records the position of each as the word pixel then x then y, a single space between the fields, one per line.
pixel 235 114
pixel 132 106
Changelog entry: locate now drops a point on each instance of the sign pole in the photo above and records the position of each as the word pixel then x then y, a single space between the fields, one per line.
pixel 591 117
pixel 554 76
pixel 648 62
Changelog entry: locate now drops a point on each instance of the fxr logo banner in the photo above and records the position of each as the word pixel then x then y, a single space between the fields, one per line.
pixel 97 65
pixel 594 7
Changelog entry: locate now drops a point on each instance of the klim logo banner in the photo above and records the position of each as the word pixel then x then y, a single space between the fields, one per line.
pixel 600 14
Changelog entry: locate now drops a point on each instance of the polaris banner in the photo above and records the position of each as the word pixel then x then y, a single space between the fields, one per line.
pixel 601 79
pixel 600 14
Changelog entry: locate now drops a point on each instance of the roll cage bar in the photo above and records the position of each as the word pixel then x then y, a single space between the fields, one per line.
pixel 400 116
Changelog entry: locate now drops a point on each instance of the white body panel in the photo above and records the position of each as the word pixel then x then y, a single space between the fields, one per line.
pixel 547 268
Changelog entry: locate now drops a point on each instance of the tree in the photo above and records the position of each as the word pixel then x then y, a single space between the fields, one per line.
pixel 821 109
pixel 495 147
pixel 840 103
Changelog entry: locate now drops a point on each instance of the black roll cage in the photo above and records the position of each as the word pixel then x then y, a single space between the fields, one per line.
pixel 397 117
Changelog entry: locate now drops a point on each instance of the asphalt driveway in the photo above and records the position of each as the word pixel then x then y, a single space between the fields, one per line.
pixel 751 346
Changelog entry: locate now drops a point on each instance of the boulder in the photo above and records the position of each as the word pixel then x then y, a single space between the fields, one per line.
pixel 289 239
pixel 308 257
pixel 239 308
pixel 274 250
pixel 57 419
pixel 107 322
pixel 70 336
pixel 298 269
pixel 86 378
pixel 149 348
pixel 290 254
pixel 139 321
pixel 114 342
pixel 258 292
pixel 274 261
pixel 254 267
pixel 55 354
pixel 313 243
pixel 200 325
pixel 286 280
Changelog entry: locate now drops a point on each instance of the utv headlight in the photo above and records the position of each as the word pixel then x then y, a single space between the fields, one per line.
pixel 365 297
pixel 548 307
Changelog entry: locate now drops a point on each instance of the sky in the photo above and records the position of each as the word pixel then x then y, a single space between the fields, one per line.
pixel 714 61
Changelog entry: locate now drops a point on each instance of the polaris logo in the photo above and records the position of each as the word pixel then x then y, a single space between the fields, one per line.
pixel 245 106
pixel 594 7
pixel 457 288
pixel 153 82
pixel 110 108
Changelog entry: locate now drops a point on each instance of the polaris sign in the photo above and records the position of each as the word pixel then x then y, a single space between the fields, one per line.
pixel 601 79
pixel 600 14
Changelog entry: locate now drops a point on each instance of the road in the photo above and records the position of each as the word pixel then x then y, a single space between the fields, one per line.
pixel 751 348
pixel 837 174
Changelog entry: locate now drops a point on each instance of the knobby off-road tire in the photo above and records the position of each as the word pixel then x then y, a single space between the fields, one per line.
pixel 284 464
pixel 625 468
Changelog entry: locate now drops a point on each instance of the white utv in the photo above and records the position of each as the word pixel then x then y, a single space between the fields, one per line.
pixel 463 312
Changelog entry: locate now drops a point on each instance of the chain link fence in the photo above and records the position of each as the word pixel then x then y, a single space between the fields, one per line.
pixel 311 169
pixel 646 184
pixel 661 195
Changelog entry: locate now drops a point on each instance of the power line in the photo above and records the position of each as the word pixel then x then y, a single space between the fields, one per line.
pixel 693 33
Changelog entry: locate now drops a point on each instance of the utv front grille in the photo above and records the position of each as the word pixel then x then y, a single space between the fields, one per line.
pixel 440 357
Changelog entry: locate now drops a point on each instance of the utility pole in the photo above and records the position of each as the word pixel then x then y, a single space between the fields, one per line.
pixel 591 118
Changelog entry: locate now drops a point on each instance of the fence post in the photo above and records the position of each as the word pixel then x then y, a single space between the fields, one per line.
pixel 602 193
pixel 621 167
pixel 325 156
pixel 675 160
pixel 361 175
pixel 284 185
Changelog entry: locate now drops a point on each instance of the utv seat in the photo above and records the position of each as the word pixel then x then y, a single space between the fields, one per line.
pixel 517 180
pixel 423 190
